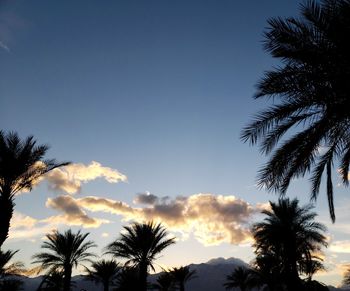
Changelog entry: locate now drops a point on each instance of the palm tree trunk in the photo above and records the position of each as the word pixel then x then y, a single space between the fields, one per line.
pixel 182 286
pixel 106 286
pixel 67 278
pixel 143 276
pixel 6 211
pixel 293 280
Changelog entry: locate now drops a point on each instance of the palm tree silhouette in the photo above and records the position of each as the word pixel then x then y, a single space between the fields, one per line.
pixel 182 275
pixel 6 267
pixel 165 282
pixel 290 235
pixel 240 277
pixel 21 165
pixel 105 272
pixel 267 272
pixel 312 92
pixel 64 251
pixel 53 281
pixel 311 266
pixel 346 279
pixel 128 279
pixel 8 270
pixel 140 243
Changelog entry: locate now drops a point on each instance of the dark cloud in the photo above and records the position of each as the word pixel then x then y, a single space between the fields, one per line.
pixel 146 198
pixel 72 212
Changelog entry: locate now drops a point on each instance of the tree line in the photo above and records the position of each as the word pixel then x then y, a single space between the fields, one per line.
pixel 288 246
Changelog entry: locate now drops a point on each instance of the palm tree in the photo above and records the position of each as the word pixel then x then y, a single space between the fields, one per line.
pixel 64 251
pixel 53 281
pixel 311 266
pixel 21 165
pixel 105 272
pixel 267 272
pixel 140 243
pixel 182 275
pixel 8 269
pixel 290 235
pixel 311 94
pixel 346 280
pixel 128 279
pixel 165 282
pixel 240 278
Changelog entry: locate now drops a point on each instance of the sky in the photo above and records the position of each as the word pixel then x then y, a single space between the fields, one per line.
pixel 147 99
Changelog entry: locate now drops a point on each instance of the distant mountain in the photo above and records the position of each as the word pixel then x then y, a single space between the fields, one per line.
pixel 210 277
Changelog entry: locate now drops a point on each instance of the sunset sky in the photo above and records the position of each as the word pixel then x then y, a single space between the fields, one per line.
pixel 147 100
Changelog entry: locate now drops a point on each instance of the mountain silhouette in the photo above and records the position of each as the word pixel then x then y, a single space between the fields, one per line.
pixel 210 277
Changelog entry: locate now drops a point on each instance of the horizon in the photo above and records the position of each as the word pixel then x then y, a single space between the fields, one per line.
pixel 147 100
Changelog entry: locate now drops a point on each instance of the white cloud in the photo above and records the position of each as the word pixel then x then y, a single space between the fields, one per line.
pixel 70 178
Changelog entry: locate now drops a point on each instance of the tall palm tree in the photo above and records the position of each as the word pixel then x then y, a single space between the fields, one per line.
pixel 140 243
pixel 105 272
pixel 165 282
pixel 182 275
pixel 63 252
pixel 310 91
pixel 21 164
pixel 240 278
pixel 290 235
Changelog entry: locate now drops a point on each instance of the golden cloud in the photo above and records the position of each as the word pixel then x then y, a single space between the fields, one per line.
pixel 20 220
pixel 213 219
pixel 70 178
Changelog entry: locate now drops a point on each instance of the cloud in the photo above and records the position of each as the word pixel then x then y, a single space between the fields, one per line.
pixel 10 23
pixel 20 220
pixel 342 246
pixel 73 214
pixel 70 178
pixel 145 198
pixel 213 219
pixel 26 227
pixel 94 204
pixel 4 46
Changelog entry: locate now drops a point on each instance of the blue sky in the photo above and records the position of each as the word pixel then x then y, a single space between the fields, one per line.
pixel 156 90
